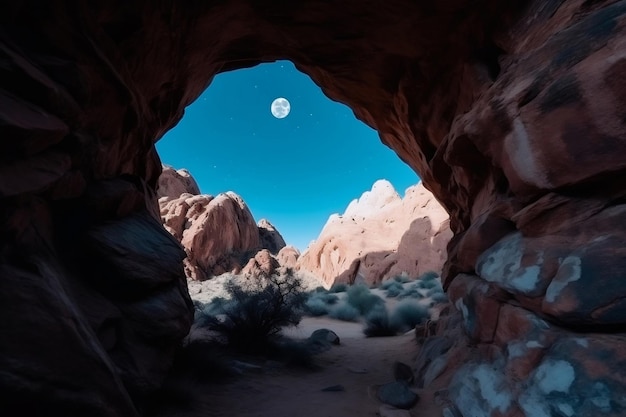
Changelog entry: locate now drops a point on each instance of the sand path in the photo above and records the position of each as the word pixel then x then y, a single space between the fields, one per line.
pixel 356 364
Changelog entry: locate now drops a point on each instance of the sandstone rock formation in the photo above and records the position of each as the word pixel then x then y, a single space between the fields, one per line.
pixel 262 265
pixel 270 238
pixel 379 236
pixel 288 257
pixel 219 233
pixel 172 183
pixel 512 112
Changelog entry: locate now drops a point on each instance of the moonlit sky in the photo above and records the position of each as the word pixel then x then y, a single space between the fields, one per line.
pixel 295 171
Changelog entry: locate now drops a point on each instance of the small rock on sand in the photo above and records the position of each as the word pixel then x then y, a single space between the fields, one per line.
pixel 334 388
pixel 396 394
pixel 325 335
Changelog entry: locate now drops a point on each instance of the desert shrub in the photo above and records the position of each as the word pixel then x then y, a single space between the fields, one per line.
pixel 345 312
pixel 377 323
pixel 320 289
pixel 361 298
pixel 429 276
pixel 319 303
pixel 435 290
pixel 198 311
pixel 407 315
pixel 393 292
pixel 257 311
pixel 316 307
pixel 197 305
pixel 413 291
pixel 338 287
pixel 403 279
pixel 393 288
pixel 385 285
pixel 329 299
pixel 216 305
pixel 439 297
pixel 429 284
pixel 205 313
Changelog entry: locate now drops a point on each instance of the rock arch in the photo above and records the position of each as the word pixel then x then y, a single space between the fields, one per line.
pixel 512 113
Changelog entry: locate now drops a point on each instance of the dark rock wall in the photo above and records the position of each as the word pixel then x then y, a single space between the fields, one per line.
pixel 513 113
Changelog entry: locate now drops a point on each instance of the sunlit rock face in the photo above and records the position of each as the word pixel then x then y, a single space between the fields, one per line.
pixel 172 183
pixel 380 236
pixel 512 113
pixel 218 234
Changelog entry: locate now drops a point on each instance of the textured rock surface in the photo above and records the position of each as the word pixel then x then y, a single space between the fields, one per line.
pixel 397 394
pixel 219 233
pixel 172 183
pixel 379 236
pixel 262 265
pixel 270 238
pixel 288 256
pixel 94 301
pixel 512 113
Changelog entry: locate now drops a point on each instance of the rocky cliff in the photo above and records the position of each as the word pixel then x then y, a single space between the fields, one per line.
pixel 173 183
pixel 379 236
pixel 218 233
pixel 512 112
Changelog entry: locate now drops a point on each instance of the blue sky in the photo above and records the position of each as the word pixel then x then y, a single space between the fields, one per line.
pixel 295 171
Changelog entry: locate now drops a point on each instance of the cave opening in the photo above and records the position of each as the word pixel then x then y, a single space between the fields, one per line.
pixel 534 261
pixel 294 171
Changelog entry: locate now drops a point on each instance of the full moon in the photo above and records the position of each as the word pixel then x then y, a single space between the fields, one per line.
pixel 280 108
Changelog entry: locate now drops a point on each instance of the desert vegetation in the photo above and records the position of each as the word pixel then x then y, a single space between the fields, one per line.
pixel 409 303
pixel 255 311
pixel 338 287
pixel 252 327
pixel 320 302
pixel 404 317
pixel 377 323
pixel 249 314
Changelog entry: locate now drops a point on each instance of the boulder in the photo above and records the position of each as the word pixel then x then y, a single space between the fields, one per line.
pixel 262 265
pixel 325 335
pixel 288 257
pixel 173 183
pixel 397 394
pixel 321 340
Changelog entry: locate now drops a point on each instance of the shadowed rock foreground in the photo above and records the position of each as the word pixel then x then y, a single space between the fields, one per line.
pixel 511 112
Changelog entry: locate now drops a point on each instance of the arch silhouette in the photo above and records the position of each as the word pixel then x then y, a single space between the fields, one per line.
pixel 511 112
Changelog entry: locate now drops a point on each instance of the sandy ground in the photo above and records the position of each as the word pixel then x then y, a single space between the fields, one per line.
pixel 356 364
pixel 273 390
